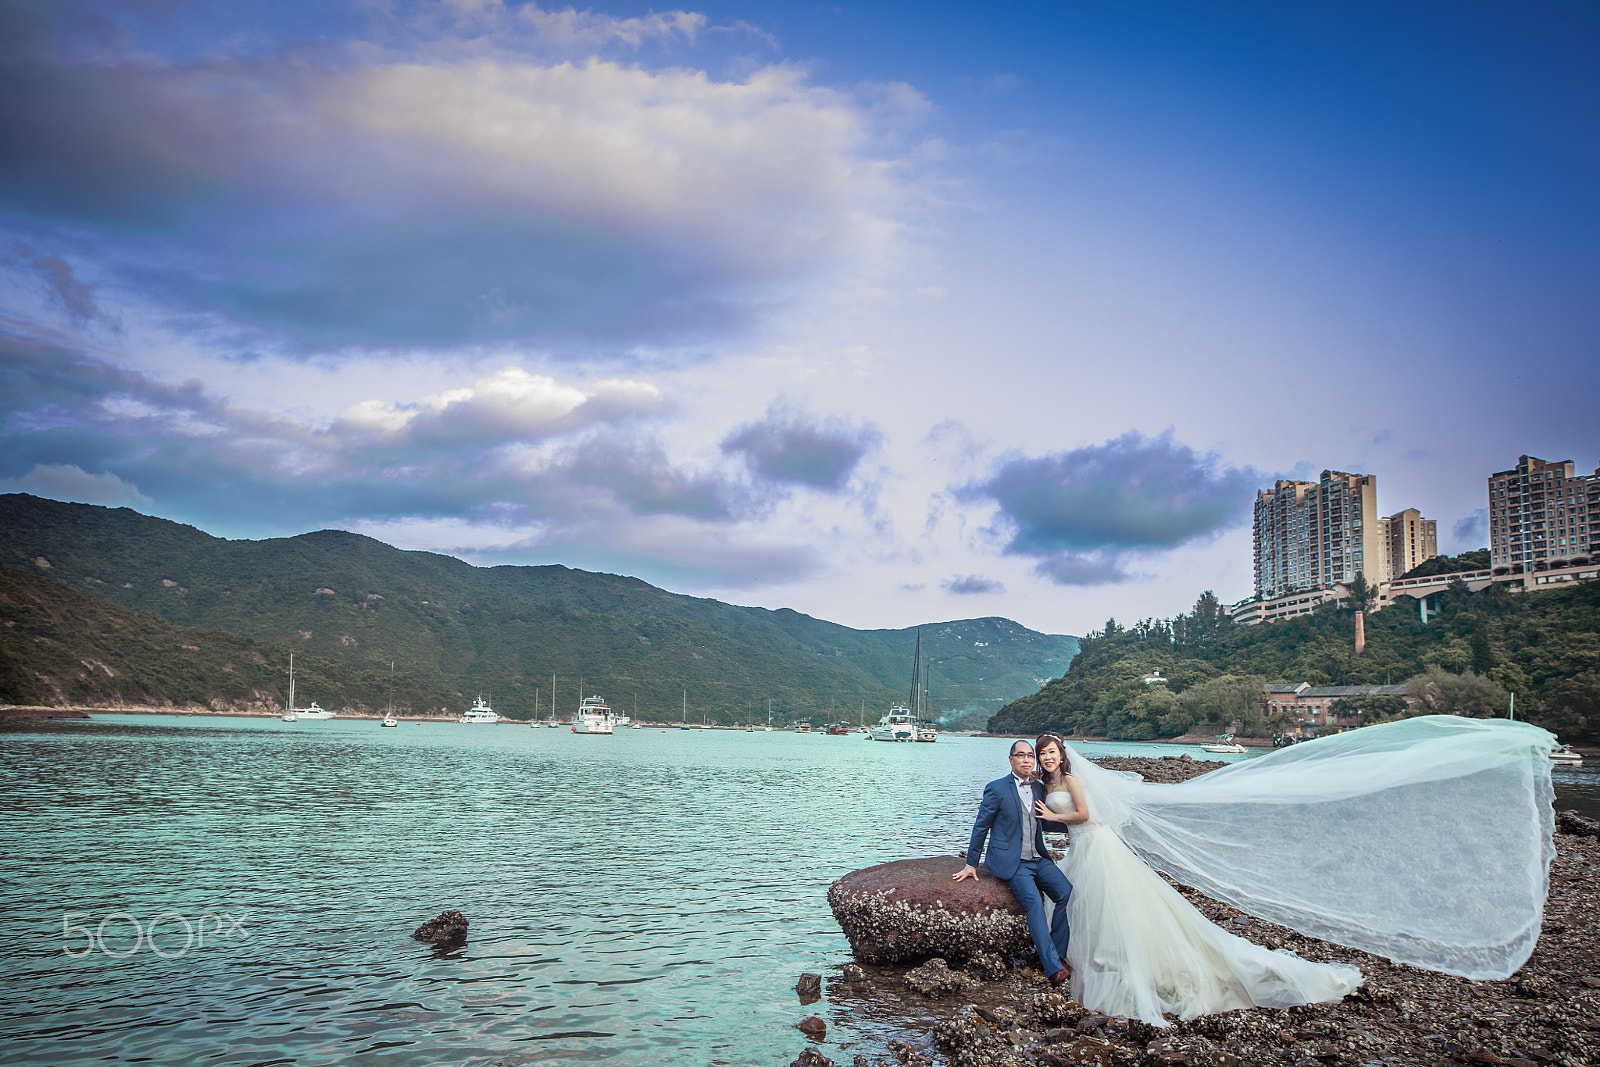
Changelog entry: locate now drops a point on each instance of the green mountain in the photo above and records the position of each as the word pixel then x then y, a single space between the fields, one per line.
pixel 454 630
pixel 60 646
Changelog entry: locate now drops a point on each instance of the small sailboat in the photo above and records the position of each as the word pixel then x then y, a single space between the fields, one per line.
pixel 388 712
pixel 684 725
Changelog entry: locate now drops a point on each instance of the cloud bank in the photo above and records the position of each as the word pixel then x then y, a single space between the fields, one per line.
pixel 539 461
pixel 382 198
pixel 1085 514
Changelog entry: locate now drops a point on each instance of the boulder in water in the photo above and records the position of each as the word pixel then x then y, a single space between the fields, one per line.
pixel 450 928
pixel 910 910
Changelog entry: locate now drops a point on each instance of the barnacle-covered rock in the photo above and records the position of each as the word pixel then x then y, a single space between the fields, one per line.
pixel 1054 1009
pixel 450 928
pixel 911 910
pixel 1570 822
pixel 986 966
pixel 936 979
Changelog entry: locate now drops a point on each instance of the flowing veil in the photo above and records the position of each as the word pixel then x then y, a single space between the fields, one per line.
pixel 1426 840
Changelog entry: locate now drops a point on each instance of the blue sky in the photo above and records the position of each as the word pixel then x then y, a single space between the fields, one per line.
pixel 887 313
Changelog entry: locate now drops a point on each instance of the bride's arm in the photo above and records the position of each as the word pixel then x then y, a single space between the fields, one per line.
pixel 1080 807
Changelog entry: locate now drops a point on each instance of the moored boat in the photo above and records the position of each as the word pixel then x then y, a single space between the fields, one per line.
pixel 1225 744
pixel 1564 756
pixel 294 714
pixel 479 712
pixel 594 717
pixel 896 725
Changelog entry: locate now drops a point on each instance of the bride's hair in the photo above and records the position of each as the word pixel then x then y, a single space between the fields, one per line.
pixel 1061 747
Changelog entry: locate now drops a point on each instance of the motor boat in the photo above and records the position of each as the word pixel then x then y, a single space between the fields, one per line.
pixel 479 712
pixel 1224 745
pixel 896 725
pixel 594 717
pixel 1564 756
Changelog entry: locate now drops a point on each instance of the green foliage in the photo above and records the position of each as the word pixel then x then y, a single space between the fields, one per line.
pixel 1441 692
pixel 1371 707
pixel 348 606
pixel 1476 560
pixel 1476 650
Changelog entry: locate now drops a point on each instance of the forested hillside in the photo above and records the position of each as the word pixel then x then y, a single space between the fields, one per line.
pixel 1479 648
pixel 60 646
pixel 458 630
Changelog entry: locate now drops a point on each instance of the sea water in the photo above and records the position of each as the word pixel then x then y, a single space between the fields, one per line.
pixel 187 890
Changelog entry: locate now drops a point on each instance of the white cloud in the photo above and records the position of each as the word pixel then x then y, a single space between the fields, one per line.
pixel 69 482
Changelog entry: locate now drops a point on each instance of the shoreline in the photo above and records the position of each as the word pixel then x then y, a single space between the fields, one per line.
pixel 1547 1013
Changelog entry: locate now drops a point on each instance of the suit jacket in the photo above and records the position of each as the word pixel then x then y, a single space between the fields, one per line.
pixel 1000 820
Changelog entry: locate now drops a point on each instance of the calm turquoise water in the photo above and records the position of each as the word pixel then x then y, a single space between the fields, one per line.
pixel 649 897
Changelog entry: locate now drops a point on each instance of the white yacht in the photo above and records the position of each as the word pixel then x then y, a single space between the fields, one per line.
pixel 1225 744
pixel 897 725
pixel 479 712
pixel 302 714
pixel 927 732
pixel 594 717
pixel 1564 756
pixel 389 719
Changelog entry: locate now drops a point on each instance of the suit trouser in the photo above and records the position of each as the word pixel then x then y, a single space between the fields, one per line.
pixel 1049 938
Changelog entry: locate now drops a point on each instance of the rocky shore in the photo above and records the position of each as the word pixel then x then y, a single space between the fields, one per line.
pixel 24 713
pixel 987 1014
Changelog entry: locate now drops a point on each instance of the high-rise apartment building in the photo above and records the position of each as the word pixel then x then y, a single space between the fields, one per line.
pixel 1409 539
pixel 1309 535
pixel 1541 513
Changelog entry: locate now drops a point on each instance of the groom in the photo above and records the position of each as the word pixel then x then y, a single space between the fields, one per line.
pixel 1018 857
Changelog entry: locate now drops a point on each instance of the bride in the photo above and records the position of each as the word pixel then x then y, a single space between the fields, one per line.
pixel 1426 840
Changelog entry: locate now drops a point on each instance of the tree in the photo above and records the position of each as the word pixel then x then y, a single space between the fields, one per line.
pixel 1468 693
pixel 1573 710
pixel 1482 654
pixel 1370 707
pixel 1361 594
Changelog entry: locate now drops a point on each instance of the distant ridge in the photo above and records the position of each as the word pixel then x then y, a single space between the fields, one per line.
pixel 454 630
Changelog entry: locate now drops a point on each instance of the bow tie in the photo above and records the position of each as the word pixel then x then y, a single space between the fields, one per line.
pixel 1023 783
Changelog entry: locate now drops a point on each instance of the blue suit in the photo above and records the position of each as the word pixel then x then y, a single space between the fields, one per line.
pixel 1000 821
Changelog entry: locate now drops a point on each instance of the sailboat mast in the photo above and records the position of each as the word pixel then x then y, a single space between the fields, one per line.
pixel 916 676
pixel 291 681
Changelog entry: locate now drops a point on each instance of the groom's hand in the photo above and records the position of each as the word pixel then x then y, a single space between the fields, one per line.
pixel 966 872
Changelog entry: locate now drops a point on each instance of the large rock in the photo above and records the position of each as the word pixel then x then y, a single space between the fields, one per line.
pixel 450 928
pixel 910 910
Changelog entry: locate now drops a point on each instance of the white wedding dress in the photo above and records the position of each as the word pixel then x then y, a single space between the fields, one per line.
pixel 1138 949
pixel 1426 840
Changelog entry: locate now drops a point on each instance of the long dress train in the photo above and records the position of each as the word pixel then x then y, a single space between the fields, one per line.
pixel 1139 949
pixel 1426 840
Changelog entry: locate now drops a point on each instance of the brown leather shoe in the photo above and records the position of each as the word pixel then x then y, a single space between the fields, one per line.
pixel 1061 977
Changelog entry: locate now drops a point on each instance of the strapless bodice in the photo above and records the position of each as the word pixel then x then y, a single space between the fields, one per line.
pixel 1060 803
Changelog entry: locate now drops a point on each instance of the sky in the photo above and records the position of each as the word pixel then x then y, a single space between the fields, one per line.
pixel 887 313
